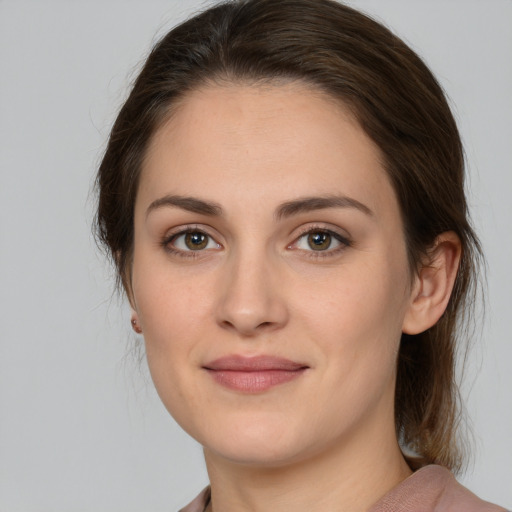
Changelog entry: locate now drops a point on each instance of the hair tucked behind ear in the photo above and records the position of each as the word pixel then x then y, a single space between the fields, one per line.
pixel 398 103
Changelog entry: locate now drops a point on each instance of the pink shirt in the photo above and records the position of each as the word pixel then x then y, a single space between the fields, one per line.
pixel 430 489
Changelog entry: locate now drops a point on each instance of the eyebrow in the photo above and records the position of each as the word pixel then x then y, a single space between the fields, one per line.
pixel 308 204
pixel 285 210
pixel 190 204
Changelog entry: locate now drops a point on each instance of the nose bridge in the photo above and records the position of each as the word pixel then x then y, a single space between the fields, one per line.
pixel 251 300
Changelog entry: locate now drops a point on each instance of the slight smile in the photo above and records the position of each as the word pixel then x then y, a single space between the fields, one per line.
pixel 253 374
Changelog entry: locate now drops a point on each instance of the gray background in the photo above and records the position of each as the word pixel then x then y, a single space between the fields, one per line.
pixel 81 427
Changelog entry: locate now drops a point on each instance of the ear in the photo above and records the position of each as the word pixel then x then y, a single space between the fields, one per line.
pixel 135 323
pixel 127 285
pixel 126 278
pixel 133 306
pixel 433 284
pixel 126 282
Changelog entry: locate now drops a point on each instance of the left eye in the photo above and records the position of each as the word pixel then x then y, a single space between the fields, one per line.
pixel 193 241
pixel 318 241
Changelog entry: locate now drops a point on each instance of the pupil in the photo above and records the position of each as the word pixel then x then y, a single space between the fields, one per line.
pixel 195 241
pixel 318 241
pixel 196 238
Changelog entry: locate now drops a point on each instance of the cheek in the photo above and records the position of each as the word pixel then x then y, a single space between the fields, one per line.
pixel 174 314
pixel 171 304
pixel 357 298
pixel 358 334
pixel 358 323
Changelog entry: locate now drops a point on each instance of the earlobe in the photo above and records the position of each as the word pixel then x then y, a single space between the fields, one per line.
pixel 135 323
pixel 433 284
pixel 127 284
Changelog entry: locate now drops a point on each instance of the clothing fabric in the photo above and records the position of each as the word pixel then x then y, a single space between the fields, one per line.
pixel 430 489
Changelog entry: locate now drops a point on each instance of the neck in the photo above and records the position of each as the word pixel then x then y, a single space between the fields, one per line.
pixel 347 476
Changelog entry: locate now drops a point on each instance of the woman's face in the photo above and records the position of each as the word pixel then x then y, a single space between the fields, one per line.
pixel 270 274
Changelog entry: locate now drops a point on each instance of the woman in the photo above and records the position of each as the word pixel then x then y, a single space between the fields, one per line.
pixel 283 197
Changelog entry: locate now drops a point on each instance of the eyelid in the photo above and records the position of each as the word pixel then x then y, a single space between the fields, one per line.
pixel 344 240
pixel 323 227
pixel 174 233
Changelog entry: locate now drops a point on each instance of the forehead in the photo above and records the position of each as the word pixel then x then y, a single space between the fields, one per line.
pixel 255 143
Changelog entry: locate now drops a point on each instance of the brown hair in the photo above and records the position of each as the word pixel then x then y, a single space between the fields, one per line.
pixel 399 104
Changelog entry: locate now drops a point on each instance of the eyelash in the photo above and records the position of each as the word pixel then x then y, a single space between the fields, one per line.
pixel 169 248
pixel 344 242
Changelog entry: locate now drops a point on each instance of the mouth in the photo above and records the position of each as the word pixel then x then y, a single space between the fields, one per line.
pixel 254 374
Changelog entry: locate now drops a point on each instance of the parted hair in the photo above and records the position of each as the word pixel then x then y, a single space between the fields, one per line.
pixel 401 107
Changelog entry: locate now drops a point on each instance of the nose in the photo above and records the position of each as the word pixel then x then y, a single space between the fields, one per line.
pixel 251 300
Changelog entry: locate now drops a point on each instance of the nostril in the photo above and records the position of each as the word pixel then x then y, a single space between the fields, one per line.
pixel 251 312
pixel 249 328
pixel 227 323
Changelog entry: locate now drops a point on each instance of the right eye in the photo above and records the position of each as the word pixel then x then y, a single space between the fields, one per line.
pixel 191 240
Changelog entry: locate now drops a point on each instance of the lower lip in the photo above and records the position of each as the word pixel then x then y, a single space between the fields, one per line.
pixel 254 382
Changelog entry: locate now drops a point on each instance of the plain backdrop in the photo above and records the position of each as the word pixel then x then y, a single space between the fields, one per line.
pixel 81 428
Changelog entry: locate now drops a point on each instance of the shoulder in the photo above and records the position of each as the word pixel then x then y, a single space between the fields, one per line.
pixel 200 503
pixel 433 489
pixel 430 489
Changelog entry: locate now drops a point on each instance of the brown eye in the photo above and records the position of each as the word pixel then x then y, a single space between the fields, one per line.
pixel 319 240
pixel 190 243
pixel 195 241
pixel 323 242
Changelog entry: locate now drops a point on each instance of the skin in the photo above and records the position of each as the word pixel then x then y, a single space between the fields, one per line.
pixel 258 288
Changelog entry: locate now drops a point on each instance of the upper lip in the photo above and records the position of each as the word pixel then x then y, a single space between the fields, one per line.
pixel 253 364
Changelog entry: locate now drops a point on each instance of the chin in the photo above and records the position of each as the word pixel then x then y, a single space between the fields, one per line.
pixel 259 444
pixel 261 455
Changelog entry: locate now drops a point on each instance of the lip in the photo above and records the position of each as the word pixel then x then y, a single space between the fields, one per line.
pixel 253 374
